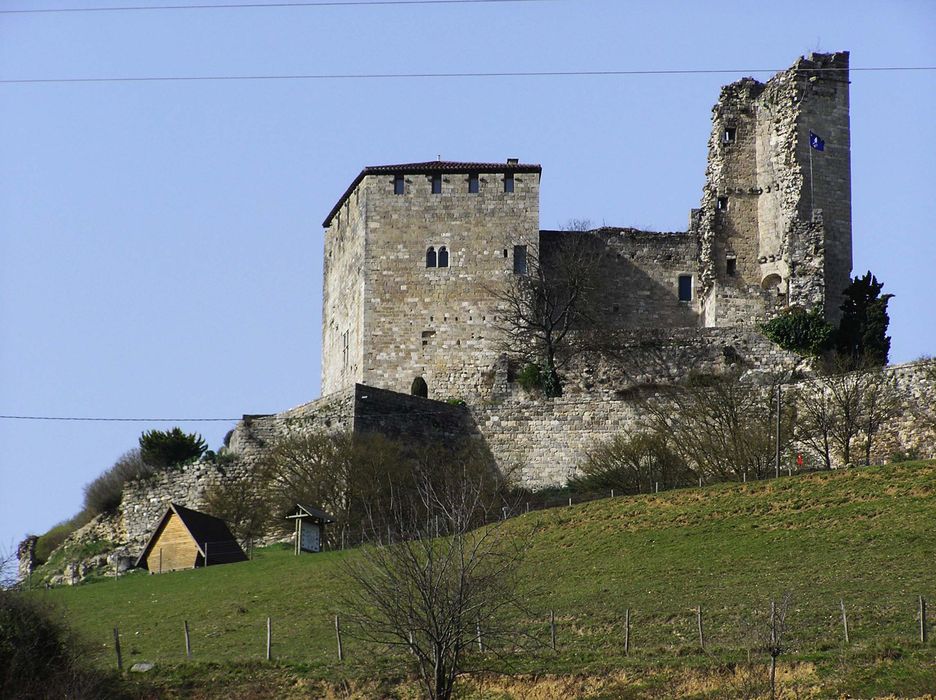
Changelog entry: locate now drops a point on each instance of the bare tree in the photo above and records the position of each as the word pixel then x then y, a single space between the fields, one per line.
pixel 547 303
pixel 435 598
pixel 342 474
pixel 880 403
pixel 633 464
pixel 816 419
pixel 9 567
pixel 766 631
pixel 724 428
pixel 240 500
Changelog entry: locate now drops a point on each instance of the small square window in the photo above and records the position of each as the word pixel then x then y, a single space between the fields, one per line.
pixel 721 204
pixel 473 184
pixel 685 287
pixel 509 182
pixel 399 186
pixel 436 184
pixel 729 135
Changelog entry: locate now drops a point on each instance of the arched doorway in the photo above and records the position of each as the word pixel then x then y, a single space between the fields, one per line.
pixel 419 388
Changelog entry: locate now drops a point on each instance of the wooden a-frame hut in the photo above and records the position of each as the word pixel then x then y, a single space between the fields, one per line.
pixel 187 539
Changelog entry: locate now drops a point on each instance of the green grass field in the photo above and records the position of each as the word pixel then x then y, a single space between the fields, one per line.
pixel 863 536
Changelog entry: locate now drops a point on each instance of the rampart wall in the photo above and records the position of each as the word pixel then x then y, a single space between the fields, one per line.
pixel 637 273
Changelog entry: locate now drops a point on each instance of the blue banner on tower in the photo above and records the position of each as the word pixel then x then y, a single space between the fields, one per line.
pixel 816 142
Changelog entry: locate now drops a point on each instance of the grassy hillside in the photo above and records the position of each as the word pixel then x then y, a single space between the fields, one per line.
pixel 863 536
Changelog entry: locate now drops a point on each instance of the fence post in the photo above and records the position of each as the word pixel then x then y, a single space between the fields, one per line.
pixel 269 643
pixel 206 554
pixel 552 628
pixel 922 619
pixel 657 486
pixel 338 636
pixel 844 619
pixel 188 643
pixel 612 493
pixel 117 649
pixel 701 634
pixel 626 631
pixel 570 500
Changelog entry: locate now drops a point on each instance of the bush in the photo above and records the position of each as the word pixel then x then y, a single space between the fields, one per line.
pixel 163 449
pixel 39 658
pixel 104 493
pixel 57 534
pixel 531 377
pixel 632 465
pixel 805 332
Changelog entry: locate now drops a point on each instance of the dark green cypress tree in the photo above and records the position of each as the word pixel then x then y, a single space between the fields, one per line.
pixel 861 339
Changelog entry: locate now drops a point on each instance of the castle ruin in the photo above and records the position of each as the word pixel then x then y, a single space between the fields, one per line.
pixel 413 252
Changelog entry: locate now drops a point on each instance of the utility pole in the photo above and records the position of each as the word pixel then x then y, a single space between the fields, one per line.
pixel 777 465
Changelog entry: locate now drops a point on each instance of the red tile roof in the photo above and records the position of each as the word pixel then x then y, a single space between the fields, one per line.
pixel 428 168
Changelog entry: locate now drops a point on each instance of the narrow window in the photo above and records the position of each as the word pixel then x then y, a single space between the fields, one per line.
pixel 505 253
pixel 431 257
pixel 443 256
pixel 344 348
pixel 729 134
pixel 399 186
pixel 520 259
pixel 473 184
pixel 721 204
pixel 509 182
pixel 436 184
pixel 731 266
pixel 685 287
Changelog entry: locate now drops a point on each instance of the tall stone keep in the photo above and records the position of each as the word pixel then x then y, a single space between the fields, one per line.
pixel 775 220
pixel 412 253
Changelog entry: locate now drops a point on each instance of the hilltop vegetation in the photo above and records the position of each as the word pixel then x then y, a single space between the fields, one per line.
pixel 860 536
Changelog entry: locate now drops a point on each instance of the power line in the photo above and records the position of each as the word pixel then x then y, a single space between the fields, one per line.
pixel 259 5
pixel 392 76
pixel 120 420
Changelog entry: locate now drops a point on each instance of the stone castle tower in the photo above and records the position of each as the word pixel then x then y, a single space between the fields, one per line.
pixel 775 221
pixel 411 254
pixel 413 251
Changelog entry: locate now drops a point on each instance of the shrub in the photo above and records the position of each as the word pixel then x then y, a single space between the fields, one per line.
pixel 57 534
pixel 632 465
pixel 163 449
pixel 104 493
pixel 805 332
pixel 39 657
pixel 531 377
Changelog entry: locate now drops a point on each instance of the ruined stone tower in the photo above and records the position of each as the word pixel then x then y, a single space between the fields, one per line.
pixel 775 221
pixel 411 254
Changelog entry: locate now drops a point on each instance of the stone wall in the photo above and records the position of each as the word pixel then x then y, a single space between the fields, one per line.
pixel 911 432
pixel 542 441
pixel 145 502
pixel 637 273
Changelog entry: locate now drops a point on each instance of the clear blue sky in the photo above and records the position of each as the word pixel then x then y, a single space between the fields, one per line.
pixel 160 242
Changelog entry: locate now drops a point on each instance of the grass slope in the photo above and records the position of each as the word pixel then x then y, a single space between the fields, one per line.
pixel 863 536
